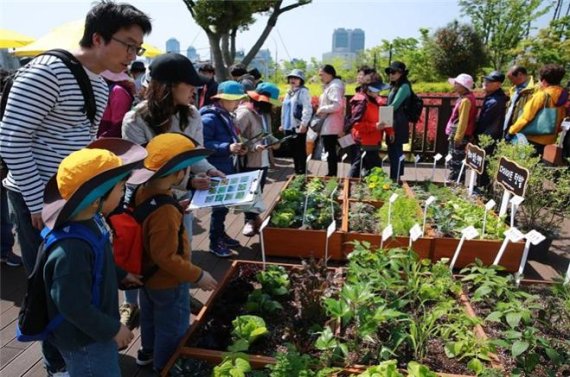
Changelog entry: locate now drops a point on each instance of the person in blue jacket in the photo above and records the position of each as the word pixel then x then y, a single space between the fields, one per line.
pixel 222 136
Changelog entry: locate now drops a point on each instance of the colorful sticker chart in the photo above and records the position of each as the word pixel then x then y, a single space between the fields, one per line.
pixel 234 190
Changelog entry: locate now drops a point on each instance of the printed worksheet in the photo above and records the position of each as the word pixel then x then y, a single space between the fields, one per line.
pixel 234 190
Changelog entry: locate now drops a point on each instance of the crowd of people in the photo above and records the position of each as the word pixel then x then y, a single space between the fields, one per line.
pixel 167 130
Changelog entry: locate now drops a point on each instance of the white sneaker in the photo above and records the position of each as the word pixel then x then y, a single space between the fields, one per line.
pixel 60 374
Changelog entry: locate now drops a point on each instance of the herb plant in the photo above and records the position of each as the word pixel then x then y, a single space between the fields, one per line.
pixel 247 328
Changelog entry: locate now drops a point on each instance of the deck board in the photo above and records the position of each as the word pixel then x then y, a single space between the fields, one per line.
pixel 24 359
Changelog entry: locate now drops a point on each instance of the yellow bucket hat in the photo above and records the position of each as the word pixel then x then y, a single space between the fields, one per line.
pixel 168 153
pixel 86 175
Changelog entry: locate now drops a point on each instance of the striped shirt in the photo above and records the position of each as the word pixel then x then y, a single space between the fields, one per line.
pixel 43 123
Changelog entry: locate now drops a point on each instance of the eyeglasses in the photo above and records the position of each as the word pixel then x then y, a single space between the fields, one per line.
pixel 131 49
pixel 393 72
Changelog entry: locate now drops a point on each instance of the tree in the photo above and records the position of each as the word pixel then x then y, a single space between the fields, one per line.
pixel 222 19
pixel 458 49
pixel 502 24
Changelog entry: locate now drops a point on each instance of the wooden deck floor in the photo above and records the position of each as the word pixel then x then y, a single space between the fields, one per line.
pixel 24 359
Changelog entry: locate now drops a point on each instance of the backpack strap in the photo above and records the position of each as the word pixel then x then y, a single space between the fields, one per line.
pixel 80 75
pixel 143 210
pixel 97 243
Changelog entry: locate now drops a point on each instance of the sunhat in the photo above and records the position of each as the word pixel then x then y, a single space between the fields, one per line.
pixel 377 86
pixel 86 175
pixel 296 73
pixel 116 77
pixel 172 68
pixel 495 76
pixel 266 92
pixel 230 90
pixel 168 153
pixel 396 66
pixel 462 79
pixel 137 66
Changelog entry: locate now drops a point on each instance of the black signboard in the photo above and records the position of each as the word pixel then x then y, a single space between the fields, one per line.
pixel 512 176
pixel 475 158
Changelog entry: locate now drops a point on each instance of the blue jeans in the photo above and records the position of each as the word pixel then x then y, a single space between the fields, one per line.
pixel 94 360
pixel 7 237
pixel 165 318
pixel 395 150
pixel 28 236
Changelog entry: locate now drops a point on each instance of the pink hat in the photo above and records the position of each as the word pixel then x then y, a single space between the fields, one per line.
pixel 116 77
pixel 462 79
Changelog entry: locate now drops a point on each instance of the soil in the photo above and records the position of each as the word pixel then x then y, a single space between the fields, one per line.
pixel 555 329
pixel 284 327
pixel 186 367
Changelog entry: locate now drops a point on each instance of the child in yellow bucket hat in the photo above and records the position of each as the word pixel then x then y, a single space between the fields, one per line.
pixel 165 297
pixel 81 279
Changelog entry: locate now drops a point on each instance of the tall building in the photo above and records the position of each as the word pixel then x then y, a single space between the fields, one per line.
pixel 172 45
pixel 192 54
pixel 357 40
pixel 346 43
pixel 340 40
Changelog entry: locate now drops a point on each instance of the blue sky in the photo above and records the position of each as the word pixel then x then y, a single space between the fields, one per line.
pixel 301 33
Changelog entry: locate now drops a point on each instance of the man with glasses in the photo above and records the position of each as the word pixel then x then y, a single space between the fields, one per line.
pixel 46 119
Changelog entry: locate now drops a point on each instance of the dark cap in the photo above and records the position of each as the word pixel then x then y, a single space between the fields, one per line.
pixel 206 68
pixel 495 76
pixel 255 73
pixel 138 66
pixel 173 68
pixel 396 66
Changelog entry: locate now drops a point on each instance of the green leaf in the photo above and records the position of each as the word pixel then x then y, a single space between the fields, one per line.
pixel 475 365
pixel 552 354
pixel 513 319
pixel 494 317
pixel 239 345
pixel 242 364
pixel 519 347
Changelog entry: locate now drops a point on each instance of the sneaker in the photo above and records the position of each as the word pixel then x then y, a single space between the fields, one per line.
pixel 59 374
pixel 144 358
pixel 251 227
pixel 129 315
pixel 11 259
pixel 220 249
pixel 230 242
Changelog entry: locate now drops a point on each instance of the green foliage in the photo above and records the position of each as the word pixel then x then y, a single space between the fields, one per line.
pixel 274 280
pixel 387 368
pixel 405 213
pixel 259 302
pixel 502 24
pixel 292 364
pixel 458 48
pixel 418 370
pixel 236 365
pixel 246 329
pixel 362 218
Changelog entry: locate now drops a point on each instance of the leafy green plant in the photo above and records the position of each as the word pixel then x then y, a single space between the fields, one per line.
pixel 236 365
pixel 416 369
pixel 332 349
pixel 246 329
pixel 274 280
pixel 387 368
pixel 362 218
pixel 292 364
pixel 405 213
pixel 259 302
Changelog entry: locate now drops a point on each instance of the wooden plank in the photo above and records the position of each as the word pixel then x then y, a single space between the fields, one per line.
pixel 37 370
pixel 24 362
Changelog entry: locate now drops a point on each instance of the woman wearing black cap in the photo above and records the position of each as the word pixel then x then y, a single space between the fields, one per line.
pixel 398 98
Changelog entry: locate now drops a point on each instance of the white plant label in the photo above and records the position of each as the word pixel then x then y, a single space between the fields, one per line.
pixel 448 158
pixel 387 232
pixel 490 204
pixel 331 228
pixel 264 224
pixel 402 157
pixel 393 197
pixel 385 158
pixel 417 158
pixel 535 237
pixel 430 200
pixel 514 235
pixel 344 156
pixel 415 232
pixel 363 155
pixel 309 158
pixel 517 200
pixel 470 232
pixel 437 157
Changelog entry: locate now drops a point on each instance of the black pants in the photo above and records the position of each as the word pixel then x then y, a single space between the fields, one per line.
pixel 538 148
pixel 395 151
pixel 371 160
pixel 298 150
pixel 330 145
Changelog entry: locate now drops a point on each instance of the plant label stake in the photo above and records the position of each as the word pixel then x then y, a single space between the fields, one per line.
pixel 533 237
pixel 567 278
pixel 309 157
pixel 261 228
pixel 416 160
pixel 475 159
pixel 504 203
pixel 341 170
pixel 461 171
pixel 467 234
pixel 511 235
pixel 436 158
pixel 392 200
pixel 305 209
pixel 384 160
pixel 330 230
pixel 361 161
pixel 386 233
pixel 400 160
pixel 515 203
pixel 429 201
pixel 332 202
pixel 513 178
pixel 489 206
pixel 415 233
pixel 446 162
pixel 472 181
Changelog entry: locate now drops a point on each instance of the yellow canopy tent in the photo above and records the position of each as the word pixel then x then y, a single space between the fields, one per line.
pixel 12 39
pixel 67 36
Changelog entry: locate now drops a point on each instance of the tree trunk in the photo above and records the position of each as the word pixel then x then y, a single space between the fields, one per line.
pixel 233 44
pixel 228 58
pixel 221 71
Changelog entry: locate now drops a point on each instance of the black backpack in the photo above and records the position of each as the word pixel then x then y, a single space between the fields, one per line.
pixel 33 319
pixel 78 72
pixel 413 107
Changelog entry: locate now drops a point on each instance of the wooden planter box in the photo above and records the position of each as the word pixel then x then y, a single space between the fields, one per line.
pixel 422 247
pixel 259 361
pixel 304 243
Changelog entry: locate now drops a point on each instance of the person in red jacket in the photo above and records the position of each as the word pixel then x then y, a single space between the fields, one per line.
pixel 366 130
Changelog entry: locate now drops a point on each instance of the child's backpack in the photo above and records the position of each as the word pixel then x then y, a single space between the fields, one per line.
pixel 414 107
pixel 33 319
pixel 127 222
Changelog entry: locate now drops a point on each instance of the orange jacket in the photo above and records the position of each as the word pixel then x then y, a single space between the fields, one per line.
pixel 365 129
